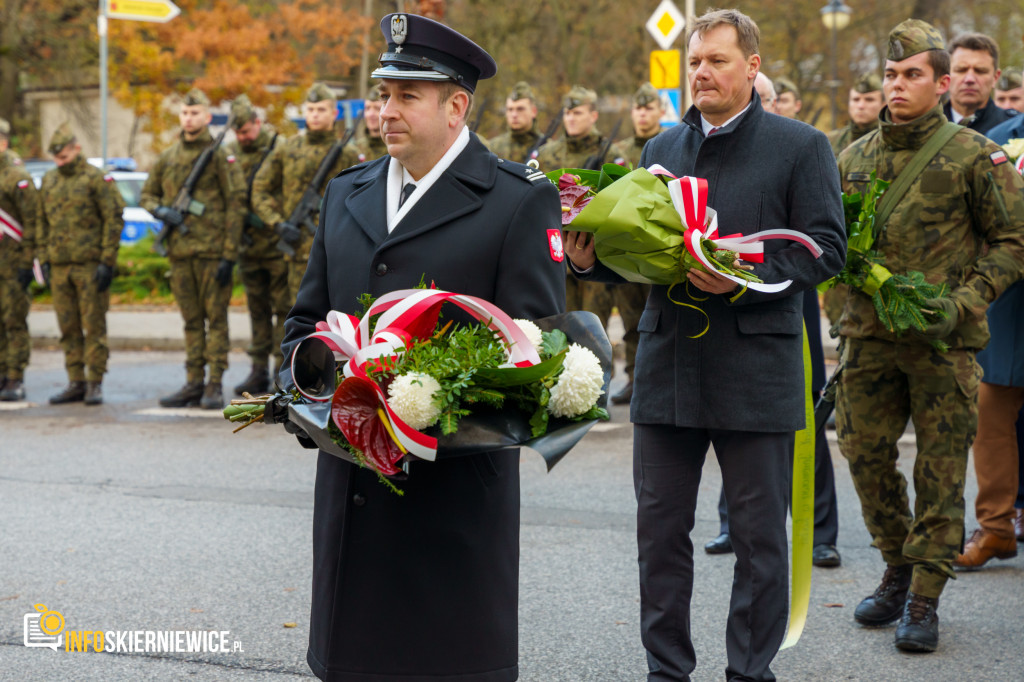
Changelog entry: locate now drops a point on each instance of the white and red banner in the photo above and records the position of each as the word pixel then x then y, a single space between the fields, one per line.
pixel 9 227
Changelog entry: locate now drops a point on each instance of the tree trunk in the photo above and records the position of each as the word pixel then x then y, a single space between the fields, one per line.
pixel 10 40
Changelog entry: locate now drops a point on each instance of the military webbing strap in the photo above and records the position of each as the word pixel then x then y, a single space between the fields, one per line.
pixel 905 179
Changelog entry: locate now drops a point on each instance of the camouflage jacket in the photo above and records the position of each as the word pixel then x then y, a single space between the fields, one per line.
pixel 20 201
pixel 627 152
pixel 82 215
pixel 961 222
pixel 370 148
pixel 283 178
pixel 514 146
pixel 842 138
pixel 259 241
pixel 569 152
pixel 221 190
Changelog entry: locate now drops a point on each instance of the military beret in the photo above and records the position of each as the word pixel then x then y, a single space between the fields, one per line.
pixel 1010 80
pixel 242 111
pixel 61 138
pixel 645 95
pixel 522 90
pixel 868 82
pixel 320 93
pixel 196 98
pixel 579 96
pixel 911 37
pixel 784 85
pixel 423 49
pixel 5 127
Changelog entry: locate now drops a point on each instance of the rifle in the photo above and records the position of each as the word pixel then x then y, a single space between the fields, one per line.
pixel 548 134
pixel 479 115
pixel 184 203
pixel 595 161
pixel 251 219
pixel 310 201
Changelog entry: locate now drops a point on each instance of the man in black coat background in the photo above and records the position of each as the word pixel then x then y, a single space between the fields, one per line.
pixel 425 586
pixel 740 386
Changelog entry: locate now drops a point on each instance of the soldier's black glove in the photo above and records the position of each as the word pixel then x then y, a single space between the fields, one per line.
pixel 24 278
pixel 103 277
pixel 288 232
pixel 169 215
pixel 223 275
pixel 942 325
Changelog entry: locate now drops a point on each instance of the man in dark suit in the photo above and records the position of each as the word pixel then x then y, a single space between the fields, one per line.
pixel 740 385
pixel 425 586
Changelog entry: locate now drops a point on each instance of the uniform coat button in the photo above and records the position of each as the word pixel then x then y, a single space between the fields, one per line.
pixel 358 500
pixel 382 269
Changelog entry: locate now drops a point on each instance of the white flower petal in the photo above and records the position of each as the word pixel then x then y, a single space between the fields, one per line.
pixel 411 396
pixel 579 385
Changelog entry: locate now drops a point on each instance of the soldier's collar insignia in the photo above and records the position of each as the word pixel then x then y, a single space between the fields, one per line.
pixel 399 30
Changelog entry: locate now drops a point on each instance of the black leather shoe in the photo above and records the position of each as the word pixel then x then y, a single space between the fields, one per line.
pixel 72 393
pixel 257 383
pixel 94 393
pixel 886 604
pixel 186 396
pixel 13 390
pixel 826 556
pixel 720 545
pixel 624 396
pixel 919 627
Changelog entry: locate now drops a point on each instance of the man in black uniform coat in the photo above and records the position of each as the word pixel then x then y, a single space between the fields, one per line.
pixel 740 386
pixel 425 586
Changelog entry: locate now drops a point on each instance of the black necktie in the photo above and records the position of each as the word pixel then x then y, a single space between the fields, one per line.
pixel 406 192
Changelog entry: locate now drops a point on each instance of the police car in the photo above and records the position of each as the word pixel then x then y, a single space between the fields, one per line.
pixel 138 222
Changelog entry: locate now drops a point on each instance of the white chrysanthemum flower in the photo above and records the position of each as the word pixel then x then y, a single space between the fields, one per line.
pixel 411 396
pixel 532 332
pixel 579 385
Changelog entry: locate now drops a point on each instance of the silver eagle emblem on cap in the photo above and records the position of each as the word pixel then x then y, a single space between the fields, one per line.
pixel 399 30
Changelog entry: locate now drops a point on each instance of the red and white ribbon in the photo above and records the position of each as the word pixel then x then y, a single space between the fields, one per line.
pixel 406 315
pixel 9 226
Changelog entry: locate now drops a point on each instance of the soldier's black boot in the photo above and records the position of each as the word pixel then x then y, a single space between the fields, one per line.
pixel 213 397
pixel 12 390
pixel 72 393
pixel 257 383
pixel 919 627
pixel 186 396
pixel 886 604
pixel 94 393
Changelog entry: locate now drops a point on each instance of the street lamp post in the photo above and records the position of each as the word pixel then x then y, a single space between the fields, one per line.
pixel 836 16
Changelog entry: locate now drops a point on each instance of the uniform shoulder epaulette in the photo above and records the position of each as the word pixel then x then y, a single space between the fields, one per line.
pixel 357 167
pixel 522 171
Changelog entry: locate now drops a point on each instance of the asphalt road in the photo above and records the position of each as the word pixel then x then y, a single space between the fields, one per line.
pixel 127 517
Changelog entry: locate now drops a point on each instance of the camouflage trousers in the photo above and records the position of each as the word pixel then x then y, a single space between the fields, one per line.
pixel 15 344
pixel 296 269
pixel 592 296
pixel 82 317
pixel 204 308
pixel 630 300
pixel 884 384
pixel 268 297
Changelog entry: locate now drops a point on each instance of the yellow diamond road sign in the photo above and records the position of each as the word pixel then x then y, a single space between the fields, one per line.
pixel 666 24
pixel 159 11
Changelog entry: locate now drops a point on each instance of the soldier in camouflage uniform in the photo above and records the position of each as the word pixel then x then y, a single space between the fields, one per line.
pixel 582 140
pixel 370 145
pixel 261 264
pixel 79 233
pixel 787 98
pixel 522 135
pixel 630 298
pixel 202 259
pixel 19 210
pixel 961 223
pixel 283 179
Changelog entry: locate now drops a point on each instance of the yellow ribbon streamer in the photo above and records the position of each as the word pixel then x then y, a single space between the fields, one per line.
pixel 875 278
pixel 707 320
pixel 803 513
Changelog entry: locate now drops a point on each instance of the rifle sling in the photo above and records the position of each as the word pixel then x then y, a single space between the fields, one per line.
pixel 256 168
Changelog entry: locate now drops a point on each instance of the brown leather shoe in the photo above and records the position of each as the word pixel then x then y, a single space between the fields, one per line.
pixel 984 546
pixel 1018 525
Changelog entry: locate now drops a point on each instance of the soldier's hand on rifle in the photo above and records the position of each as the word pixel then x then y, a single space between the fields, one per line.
pixel 103 277
pixel 169 215
pixel 223 275
pixel 24 278
pixel 288 232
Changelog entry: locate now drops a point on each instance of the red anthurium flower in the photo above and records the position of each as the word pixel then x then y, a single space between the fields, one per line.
pixel 356 409
pixel 573 198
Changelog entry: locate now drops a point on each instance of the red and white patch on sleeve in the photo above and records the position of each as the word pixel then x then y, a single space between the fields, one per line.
pixel 555 245
pixel 22 184
pixel 108 178
pixel 231 158
pixel 998 158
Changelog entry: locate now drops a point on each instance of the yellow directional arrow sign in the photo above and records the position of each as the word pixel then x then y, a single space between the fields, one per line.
pixel 665 69
pixel 159 11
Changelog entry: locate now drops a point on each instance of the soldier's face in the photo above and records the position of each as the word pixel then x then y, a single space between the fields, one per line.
pixel 788 105
pixel 247 134
pixel 1011 99
pixel 864 106
pixel 579 120
pixel 973 75
pixel 417 126
pixel 911 88
pixel 519 114
pixel 647 118
pixel 371 115
pixel 67 155
pixel 193 118
pixel 319 115
pixel 721 77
